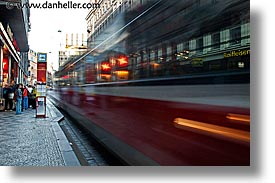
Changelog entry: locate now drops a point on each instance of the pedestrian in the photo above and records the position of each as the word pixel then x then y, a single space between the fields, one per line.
pixel 29 87
pixel 12 99
pixel 18 97
pixel 25 98
pixel 22 103
pixel 6 91
pixel 33 96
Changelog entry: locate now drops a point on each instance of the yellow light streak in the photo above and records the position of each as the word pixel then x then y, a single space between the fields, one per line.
pixel 213 130
pixel 238 117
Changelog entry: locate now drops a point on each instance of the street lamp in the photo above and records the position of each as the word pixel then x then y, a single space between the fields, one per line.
pixel 59 31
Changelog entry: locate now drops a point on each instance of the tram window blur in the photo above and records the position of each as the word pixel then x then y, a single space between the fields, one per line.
pixel 174 39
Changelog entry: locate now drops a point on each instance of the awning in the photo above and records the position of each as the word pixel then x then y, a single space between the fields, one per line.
pixel 14 17
pixel 6 40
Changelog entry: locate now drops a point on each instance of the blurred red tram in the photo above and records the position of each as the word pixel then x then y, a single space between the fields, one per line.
pixel 163 104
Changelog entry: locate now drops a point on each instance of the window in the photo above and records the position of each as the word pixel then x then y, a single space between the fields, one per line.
pixel 216 40
pixel 152 55
pixel 206 43
pixel 199 44
pixel 186 46
pixel 192 46
pixel 224 36
pixel 245 31
pixel 180 47
pixel 169 53
pixel 145 56
pixel 235 35
pixel 160 58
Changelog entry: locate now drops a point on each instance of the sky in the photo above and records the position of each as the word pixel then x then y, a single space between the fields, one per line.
pixel 45 23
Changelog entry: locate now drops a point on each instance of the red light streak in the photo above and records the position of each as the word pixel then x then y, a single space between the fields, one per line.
pixel 105 66
pixel 122 61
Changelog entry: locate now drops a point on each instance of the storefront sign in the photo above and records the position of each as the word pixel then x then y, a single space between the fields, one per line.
pixel 105 67
pixel 5 64
pixel 41 67
pixel 237 53
pixel 41 72
pixel 122 61
pixel 42 57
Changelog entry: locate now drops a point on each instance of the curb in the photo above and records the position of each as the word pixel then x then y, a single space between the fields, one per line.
pixel 69 156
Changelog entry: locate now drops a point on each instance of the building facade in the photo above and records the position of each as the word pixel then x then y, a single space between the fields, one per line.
pixel 74 46
pixel 163 39
pixel 105 16
pixel 206 37
pixel 33 67
pixel 14 28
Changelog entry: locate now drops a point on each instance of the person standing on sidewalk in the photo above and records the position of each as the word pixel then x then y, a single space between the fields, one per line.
pixel 12 99
pixel 6 91
pixel 33 96
pixel 18 97
pixel 25 98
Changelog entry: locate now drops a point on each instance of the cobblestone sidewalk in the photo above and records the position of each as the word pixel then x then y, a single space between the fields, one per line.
pixel 29 141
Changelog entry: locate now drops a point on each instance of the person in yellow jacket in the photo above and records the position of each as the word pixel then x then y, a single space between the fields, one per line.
pixel 33 97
